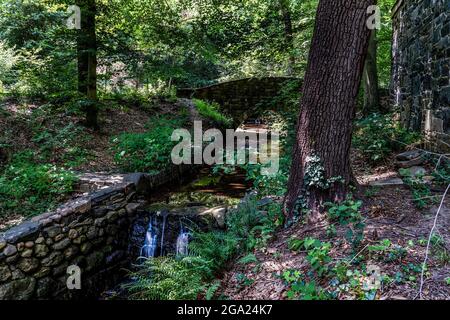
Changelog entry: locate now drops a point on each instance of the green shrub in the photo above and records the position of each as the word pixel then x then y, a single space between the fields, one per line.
pixel 387 251
pixel 420 189
pixel 442 173
pixel 299 289
pixel 149 151
pixel 64 144
pixel 318 255
pixel 379 135
pixel 211 111
pixel 27 188
pixel 348 213
pixel 171 279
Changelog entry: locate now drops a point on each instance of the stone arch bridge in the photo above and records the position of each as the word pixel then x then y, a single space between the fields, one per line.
pixel 244 98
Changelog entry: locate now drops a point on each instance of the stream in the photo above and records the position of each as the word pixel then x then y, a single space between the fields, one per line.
pixel 166 224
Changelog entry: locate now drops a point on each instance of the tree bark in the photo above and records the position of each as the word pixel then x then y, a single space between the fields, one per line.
pixel 322 149
pixel 370 78
pixel 87 61
pixel 289 34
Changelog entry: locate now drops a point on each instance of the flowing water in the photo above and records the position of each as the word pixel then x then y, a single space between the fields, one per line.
pixel 162 235
pixel 149 248
pixel 182 248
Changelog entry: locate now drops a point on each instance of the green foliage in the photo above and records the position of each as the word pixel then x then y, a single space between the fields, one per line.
pixel 317 253
pixel 352 281
pixel 212 289
pixel 387 251
pixel 439 249
pixel 45 55
pixel 250 258
pixel 315 173
pixel 331 231
pixel 27 188
pixel 246 222
pixel 348 213
pixel 212 112
pixel 8 59
pixel 243 280
pixel 215 249
pixel 442 173
pixel 295 244
pixel 345 212
pixel 377 136
pixel 149 151
pixel 408 273
pixel 371 191
pixel 61 144
pixel 299 289
pixel 384 43
pixel 269 185
pixel 420 189
pixel 170 279
pixel 270 222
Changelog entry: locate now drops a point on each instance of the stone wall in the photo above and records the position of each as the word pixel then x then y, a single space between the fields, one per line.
pixel 91 232
pixel 242 99
pixel 421 66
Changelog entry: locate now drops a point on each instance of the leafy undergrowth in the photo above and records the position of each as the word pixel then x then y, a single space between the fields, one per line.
pixel 28 188
pixel 43 145
pixel 377 136
pixel 148 151
pixel 211 111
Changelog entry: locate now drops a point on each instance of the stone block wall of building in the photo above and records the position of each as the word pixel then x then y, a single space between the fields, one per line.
pixel 421 66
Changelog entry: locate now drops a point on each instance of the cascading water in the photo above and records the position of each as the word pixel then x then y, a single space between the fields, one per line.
pixel 162 234
pixel 182 248
pixel 149 248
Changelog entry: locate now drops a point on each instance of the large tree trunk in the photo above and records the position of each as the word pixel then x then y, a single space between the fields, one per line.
pixel 370 78
pixel 289 34
pixel 87 61
pixel 322 149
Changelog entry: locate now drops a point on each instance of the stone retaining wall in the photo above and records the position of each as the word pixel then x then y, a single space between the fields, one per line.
pixel 242 98
pixel 421 66
pixel 90 232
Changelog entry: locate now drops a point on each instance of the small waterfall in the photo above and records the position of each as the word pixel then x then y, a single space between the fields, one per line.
pixel 149 248
pixel 162 234
pixel 182 243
